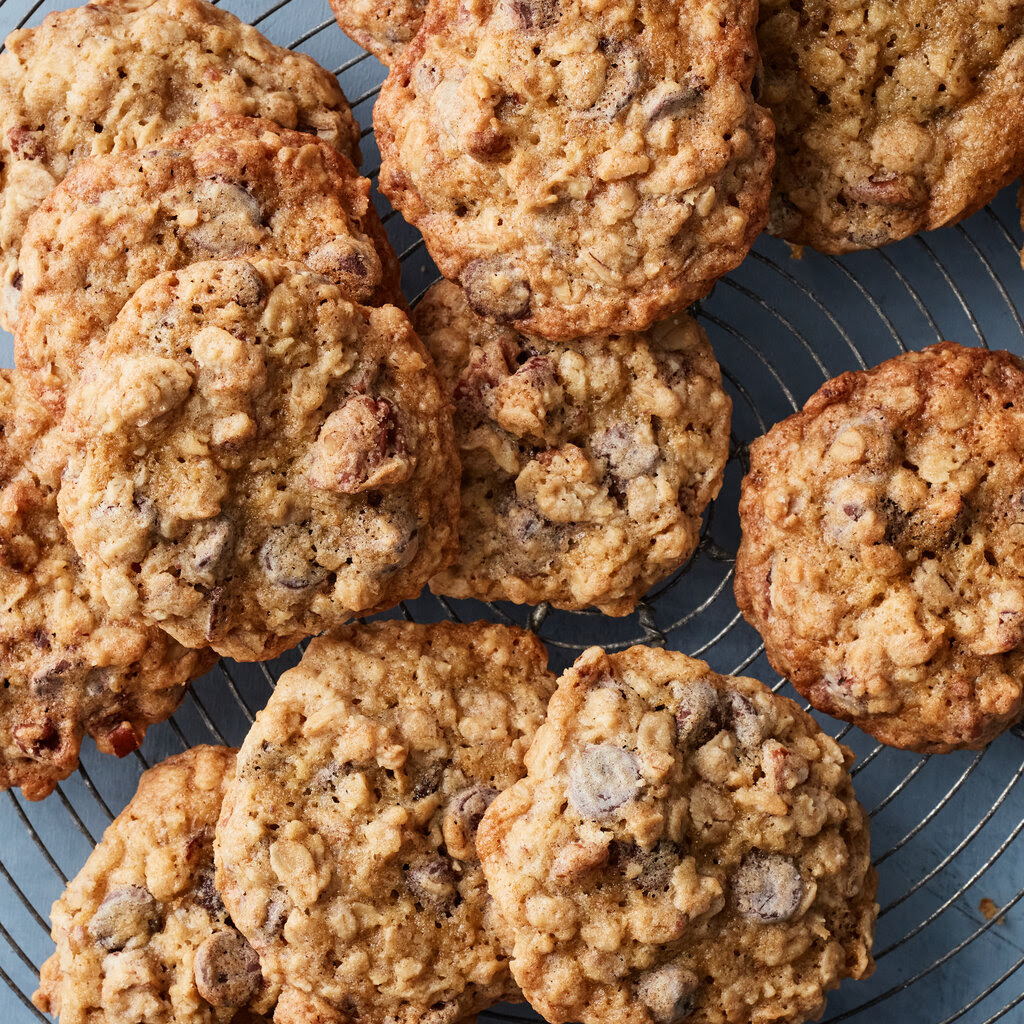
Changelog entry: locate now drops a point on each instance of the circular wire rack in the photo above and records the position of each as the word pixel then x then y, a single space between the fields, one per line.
pixel 950 941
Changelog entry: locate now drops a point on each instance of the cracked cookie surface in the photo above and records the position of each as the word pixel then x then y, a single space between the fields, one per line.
pixel 891 118
pixel 254 458
pixel 119 75
pixel 579 168
pixel 585 466
pixel 231 186
pixel 881 559
pixel 346 852
pixel 70 666
pixel 385 29
pixel 685 847
pixel 141 932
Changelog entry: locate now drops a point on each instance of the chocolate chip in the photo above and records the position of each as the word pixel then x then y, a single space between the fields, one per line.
pixel 205 893
pixel 274 920
pixel 243 283
pixel 886 188
pixel 622 80
pixel 227 970
pixel 496 288
pixel 49 679
pixel 126 917
pixel 462 818
pixel 432 883
pixel 742 718
pixel 602 778
pixel 532 15
pixel 698 715
pixel 288 558
pixel 626 455
pixel 429 782
pixel 38 740
pixel 233 219
pixel 350 263
pixel 667 99
pixel 669 992
pixel 649 870
pixel 206 548
pixel 767 887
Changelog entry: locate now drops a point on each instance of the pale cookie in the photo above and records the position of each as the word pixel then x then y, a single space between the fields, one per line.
pixel 70 667
pixel 891 118
pixel 232 186
pixel 119 75
pixel 384 29
pixel 141 932
pixel 685 847
pixel 345 852
pixel 579 167
pixel 882 557
pixel 254 458
pixel 585 467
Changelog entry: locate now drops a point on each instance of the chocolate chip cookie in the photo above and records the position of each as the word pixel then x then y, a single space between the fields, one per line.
pixel 231 186
pixel 141 932
pixel 881 560
pixel 70 667
pixel 345 852
pixel 119 75
pixel 685 847
pixel 578 167
pixel 254 458
pixel 585 467
pixel 891 118
pixel 382 28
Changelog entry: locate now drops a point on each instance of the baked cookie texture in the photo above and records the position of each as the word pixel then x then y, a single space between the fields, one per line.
pixel 141 932
pixel 345 851
pixel 119 75
pixel 254 458
pixel 231 186
pixel 70 667
pixel 579 167
pixel 585 466
pixel 890 118
pixel 881 559
pixel 384 29
pixel 685 847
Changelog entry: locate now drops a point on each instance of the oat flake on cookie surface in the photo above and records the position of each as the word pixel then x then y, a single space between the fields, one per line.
pixel 579 167
pixel 254 458
pixel 141 932
pixel 882 557
pixel 585 465
pixel 685 847
pixel 231 186
pixel 70 667
pixel 346 850
pixel 119 75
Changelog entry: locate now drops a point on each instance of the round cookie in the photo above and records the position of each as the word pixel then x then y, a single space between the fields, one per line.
pixel 585 467
pixel 578 167
pixel 141 932
pixel 69 666
pixel 255 458
pixel 891 120
pixel 345 852
pixel 382 28
pixel 232 186
pixel 685 847
pixel 881 560
pixel 119 75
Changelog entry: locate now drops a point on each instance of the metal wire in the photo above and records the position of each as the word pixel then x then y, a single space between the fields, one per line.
pixel 780 327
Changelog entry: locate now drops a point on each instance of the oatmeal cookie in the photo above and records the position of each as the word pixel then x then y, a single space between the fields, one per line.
pixel 345 852
pixel 882 557
pixel 141 932
pixel 579 168
pixel 685 847
pixel 891 118
pixel 118 75
pixel 254 458
pixel 585 467
pixel 232 186
pixel 70 667
pixel 384 29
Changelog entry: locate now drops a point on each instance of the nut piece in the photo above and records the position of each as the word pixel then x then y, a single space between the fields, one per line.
pixel 432 882
pixel 698 716
pixel 767 887
pixel 126 918
pixel 227 970
pixel 602 778
pixel 462 818
pixel 669 992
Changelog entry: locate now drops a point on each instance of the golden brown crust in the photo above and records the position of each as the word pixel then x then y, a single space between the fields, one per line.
pixel 892 121
pixel 685 847
pixel 575 174
pixel 232 186
pixel 881 560
pixel 384 28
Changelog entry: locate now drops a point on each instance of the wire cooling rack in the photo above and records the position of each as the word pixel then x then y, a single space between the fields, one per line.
pixel 945 829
